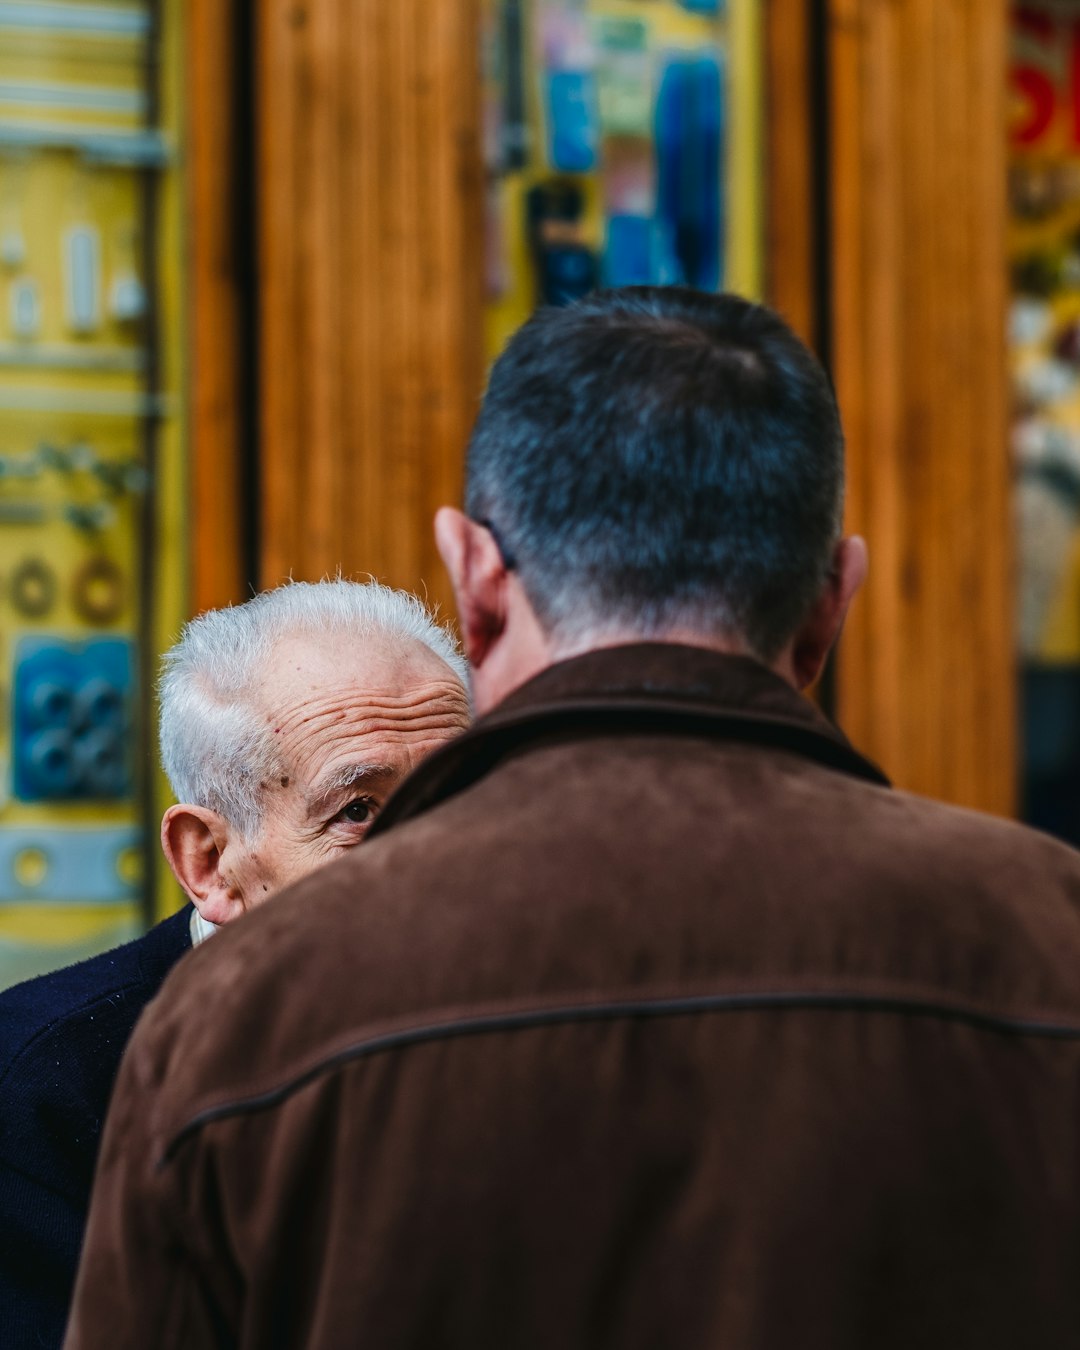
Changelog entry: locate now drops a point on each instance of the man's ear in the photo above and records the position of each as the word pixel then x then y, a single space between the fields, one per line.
pixel 194 840
pixel 479 577
pixel 825 621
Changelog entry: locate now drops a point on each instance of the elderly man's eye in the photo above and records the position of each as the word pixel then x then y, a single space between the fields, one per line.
pixel 359 811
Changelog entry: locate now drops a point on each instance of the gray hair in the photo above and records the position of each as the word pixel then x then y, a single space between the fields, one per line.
pixel 653 459
pixel 215 749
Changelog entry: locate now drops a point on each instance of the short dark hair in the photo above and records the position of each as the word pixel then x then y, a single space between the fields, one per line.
pixel 654 458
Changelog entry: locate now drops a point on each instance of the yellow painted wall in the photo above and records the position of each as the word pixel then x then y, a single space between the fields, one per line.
pixel 66 85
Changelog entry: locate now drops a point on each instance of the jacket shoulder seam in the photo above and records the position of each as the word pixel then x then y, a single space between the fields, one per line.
pixel 526 1019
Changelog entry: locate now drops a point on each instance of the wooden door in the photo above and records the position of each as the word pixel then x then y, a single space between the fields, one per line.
pixel 369 316
pixel 926 674
pixel 218 86
pixel 370 281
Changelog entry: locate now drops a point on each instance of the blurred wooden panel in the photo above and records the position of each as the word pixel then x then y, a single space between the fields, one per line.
pixel 215 281
pixel 370 281
pixel 790 209
pixel 926 669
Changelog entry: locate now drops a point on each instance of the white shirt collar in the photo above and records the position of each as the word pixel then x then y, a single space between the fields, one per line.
pixel 200 928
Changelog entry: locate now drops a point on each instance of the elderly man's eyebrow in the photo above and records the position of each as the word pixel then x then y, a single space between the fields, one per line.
pixel 326 789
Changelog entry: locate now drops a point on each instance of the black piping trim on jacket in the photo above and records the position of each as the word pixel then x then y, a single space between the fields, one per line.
pixel 530 1018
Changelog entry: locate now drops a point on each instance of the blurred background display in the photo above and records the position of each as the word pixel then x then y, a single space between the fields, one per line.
pixel 255 255
pixel 143 149
pixel 621 145
pixel 1044 342
pixel 90 446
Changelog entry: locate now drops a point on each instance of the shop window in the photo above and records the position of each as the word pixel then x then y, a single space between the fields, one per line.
pixel 1044 350
pixel 621 147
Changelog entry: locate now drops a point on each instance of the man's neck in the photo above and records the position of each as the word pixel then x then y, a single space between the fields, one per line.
pixel 622 637
pixel 490 687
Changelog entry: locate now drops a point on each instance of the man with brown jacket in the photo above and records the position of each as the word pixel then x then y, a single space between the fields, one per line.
pixel 650 1016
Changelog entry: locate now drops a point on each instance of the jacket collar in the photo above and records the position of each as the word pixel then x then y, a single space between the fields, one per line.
pixel 654 685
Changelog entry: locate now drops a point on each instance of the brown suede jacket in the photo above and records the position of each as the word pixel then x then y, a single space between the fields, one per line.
pixel 652 1017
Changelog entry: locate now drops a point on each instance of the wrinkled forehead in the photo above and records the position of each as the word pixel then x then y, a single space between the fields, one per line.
pixel 325 698
pixel 314 663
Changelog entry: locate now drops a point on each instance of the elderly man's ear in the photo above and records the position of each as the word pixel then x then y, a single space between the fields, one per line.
pixel 196 843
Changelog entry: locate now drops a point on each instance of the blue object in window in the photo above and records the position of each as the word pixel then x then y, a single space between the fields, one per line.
pixel 689 150
pixel 567 272
pixel 574 124
pixel 628 256
pixel 639 252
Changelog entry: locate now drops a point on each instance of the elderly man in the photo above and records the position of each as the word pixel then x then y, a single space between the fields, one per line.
pixel 285 724
pixel 652 1016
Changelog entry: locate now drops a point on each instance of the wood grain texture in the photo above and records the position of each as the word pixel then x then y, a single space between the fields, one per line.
pixel 214 276
pixel 926 667
pixel 371 281
pixel 789 214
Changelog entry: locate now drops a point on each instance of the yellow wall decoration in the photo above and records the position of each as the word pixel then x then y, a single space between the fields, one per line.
pixel 92 476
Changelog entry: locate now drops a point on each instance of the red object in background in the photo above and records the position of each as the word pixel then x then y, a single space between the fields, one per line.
pixel 1041 98
pixel 1035 84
